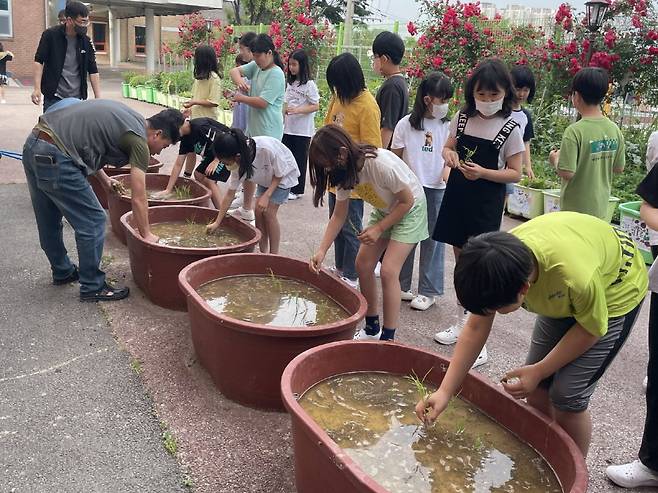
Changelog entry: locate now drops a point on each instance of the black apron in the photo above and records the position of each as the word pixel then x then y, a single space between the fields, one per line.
pixel 472 207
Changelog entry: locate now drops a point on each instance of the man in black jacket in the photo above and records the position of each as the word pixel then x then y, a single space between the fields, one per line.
pixel 64 58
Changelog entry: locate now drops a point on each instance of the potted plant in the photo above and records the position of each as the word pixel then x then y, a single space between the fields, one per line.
pixel 125 85
pixel 527 200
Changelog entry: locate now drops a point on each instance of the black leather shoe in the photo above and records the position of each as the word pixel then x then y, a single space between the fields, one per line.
pixel 72 277
pixel 106 293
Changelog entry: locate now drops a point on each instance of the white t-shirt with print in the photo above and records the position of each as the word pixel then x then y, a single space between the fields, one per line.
pixel 272 159
pixel 300 95
pixel 488 129
pixel 652 159
pixel 422 149
pixel 381 178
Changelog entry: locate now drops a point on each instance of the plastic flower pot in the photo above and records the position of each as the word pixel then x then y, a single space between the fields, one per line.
pixel 141 92
pixel 149 94
pixel 552 203
pixel 118 205
pixel 125 89
pixel 246 360
pixel 174 101
pixel 321 466
pixel 526 202
pixel 629 221
pixel 112 171
pixel 161 98
pixel 132 92
pixel 155 267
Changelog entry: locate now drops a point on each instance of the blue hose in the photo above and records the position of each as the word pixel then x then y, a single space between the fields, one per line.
pixel 11 154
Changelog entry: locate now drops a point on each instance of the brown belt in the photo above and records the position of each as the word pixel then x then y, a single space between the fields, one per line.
pixel 43 136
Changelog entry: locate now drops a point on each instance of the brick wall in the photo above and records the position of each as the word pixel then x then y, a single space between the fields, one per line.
pixel 28 22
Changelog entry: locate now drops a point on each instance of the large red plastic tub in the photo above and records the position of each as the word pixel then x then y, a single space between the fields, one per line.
pixel 119 204
pixel 155 267
pixel 321 466
pixel 98 189
pixel 245 360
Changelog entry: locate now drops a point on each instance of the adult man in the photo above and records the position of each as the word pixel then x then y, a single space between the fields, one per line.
pixel 71 142
pixel 64 58
pixel 586 282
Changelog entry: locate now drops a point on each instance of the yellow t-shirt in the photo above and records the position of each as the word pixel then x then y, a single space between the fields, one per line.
pixel 210 89
pixel 587 269
pixel 360 118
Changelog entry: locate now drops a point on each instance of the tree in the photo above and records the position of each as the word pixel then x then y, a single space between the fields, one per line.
pixel 253 11
pixel 334 10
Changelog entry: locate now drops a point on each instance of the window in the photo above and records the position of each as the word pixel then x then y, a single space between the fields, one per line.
pixel 99 36
pixel 5 19
pixel 140 40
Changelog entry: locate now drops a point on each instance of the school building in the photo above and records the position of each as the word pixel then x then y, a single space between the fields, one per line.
pixel 121 30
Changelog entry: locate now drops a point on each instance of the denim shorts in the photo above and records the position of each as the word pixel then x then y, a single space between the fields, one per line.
pixel 509 188
pixel 280 195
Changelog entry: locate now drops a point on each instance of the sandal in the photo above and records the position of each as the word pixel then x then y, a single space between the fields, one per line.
pixel 106 293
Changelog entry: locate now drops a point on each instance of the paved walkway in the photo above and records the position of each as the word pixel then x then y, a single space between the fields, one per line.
pixel 89 425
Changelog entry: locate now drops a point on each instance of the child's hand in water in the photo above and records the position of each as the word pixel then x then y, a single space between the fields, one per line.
pixel 164 194
pixel 212 227
pixel 370 235
pixel 429 409
pixel 315 263
pixel 471 171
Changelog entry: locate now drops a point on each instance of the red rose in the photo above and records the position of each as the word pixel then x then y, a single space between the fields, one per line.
pixel 411 28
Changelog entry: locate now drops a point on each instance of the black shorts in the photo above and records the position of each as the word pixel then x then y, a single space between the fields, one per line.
pixel 220 174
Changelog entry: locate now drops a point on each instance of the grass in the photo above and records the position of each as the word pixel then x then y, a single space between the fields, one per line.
pixel 136 366
pixel 188 482
pixel 421 388
pixel 182 192
pixel 168 440
pixel 106 260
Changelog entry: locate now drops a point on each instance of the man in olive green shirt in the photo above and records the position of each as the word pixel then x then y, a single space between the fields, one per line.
pixel 592 149
pixel 70 142
pixel 584 279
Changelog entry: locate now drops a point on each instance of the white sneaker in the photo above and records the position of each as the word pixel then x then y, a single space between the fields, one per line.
pixel 406 295
pixel 243 214
pixel 292 196
pixel 361 335
pixel 450 335
pixel 378 269
pixel 422 302
pixel 350 283
pixel 632 475
pixel 482 358
pixel 645 382
pixel 237 201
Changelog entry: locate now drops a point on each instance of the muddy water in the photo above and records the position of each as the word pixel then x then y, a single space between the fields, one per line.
pixel 193 235
pixel 178 193
pixel 371 416
pixel 271 300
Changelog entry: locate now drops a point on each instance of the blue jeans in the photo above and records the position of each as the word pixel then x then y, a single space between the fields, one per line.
pixel 432 254
pixel 56 103
pixel 61 190
pixel 346 244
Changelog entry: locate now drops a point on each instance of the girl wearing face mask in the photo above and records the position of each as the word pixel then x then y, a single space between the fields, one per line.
pixel 418 139
pixel 268 164
pixel 484 150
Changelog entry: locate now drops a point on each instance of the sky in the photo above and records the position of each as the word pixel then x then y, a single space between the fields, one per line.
pixel 405 10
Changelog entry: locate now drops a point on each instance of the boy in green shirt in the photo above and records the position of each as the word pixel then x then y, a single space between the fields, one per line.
pixel 586 282
pixel 592 149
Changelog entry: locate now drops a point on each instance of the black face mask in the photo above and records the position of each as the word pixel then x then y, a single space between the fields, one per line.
pixel 80 30
pixel 337 176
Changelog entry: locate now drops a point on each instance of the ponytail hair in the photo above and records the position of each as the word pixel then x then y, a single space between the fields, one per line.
pixel 262 44
pixel 434 85
pixel 229 144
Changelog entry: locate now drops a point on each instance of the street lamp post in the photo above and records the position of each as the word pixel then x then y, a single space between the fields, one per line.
pixel 595 11
pixel 209 24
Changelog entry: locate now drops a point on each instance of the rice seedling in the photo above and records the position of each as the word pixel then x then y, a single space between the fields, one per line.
pixel 182 192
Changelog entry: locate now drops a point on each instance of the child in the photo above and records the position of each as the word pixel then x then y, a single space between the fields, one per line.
pixel 397 223
pixel 206 92
pixel 485 149
pixel 197 137
pixel 301 103
pixel 393 95
pixel 418 139
pixel 644 472
pixel 592 149
pixel 353 108
pixel 584 279
pixel 264 96
pixel 269 164
pixel 240 110
pixel 5 56
pixel 524 83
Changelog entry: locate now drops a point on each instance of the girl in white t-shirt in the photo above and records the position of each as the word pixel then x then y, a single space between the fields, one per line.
pixel 397 223
pixel 301 102
pixel 418 139
pixel 265 162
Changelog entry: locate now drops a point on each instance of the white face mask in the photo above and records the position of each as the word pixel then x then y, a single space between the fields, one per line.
pixel 440 111
pixel 489 108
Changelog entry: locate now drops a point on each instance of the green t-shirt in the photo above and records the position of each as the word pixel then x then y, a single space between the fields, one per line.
pixel 581 259
pixel 591 149
pixel 270 85
pixel 137 150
